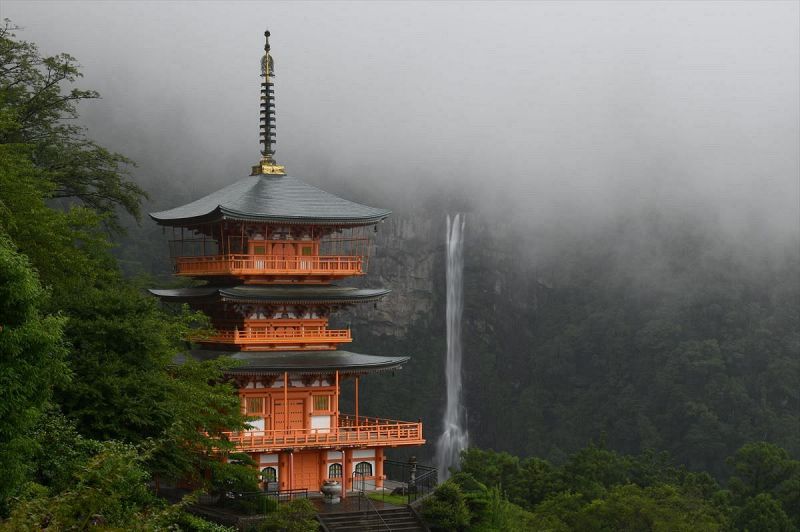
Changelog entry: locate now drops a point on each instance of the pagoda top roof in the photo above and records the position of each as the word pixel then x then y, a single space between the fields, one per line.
pixel 302 362
pixel 278 294
pixel 275 199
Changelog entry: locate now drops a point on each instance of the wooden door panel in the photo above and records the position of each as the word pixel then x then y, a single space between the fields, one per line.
pixel 297 414
pixel 306 471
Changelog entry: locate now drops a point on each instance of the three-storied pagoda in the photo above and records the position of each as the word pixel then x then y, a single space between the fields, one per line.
pixel 268 248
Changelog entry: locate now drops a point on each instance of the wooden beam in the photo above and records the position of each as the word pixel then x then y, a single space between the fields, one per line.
pixel 285 400
pixel 336 405
pixel 357 378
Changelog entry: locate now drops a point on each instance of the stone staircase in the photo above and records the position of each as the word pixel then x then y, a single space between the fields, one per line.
pixel 383 520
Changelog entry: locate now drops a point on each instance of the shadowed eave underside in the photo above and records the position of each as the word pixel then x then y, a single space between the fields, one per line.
pixel 298 362
pixel 273 199
pixel 274 294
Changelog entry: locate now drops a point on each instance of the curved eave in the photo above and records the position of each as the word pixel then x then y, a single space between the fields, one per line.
pixel 299 362
pixel 183 294
pixel 288 299
pixel 220 214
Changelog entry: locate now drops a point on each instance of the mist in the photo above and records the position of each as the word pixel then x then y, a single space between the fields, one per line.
pixel 526 113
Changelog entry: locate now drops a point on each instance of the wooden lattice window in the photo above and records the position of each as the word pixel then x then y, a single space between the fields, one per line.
pixel 254 405
pixel 335 471
pixel 322 402
pixel 364 469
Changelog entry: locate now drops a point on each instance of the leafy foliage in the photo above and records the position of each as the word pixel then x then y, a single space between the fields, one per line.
pixel 598 489
pixel 294 516
pixel 39 111
pixel 447 508
pixel 31 359
pixel 109 490
pixel 123 412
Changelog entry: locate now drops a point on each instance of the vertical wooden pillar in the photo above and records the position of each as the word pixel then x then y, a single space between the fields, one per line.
pixel 379 458
pixel 357 400
pixel 283 470
pixel 336 405
pixel 291 470
pixel 347 474
pixel 285 400
pixel 323 465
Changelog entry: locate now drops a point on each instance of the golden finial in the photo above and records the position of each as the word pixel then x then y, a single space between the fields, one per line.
pixel 268 164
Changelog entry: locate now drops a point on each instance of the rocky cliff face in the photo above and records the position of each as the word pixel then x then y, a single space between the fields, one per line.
pixel 405 257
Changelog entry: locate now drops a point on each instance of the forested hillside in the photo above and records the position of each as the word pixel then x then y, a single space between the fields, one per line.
pixel 91 406
pixel 599 489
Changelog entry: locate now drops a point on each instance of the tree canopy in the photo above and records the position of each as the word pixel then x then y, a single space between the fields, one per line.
pixel 86 356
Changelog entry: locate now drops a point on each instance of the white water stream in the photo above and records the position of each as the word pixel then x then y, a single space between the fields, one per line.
pixel 454 437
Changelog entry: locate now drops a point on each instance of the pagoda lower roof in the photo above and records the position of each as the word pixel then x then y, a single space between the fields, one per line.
pixel 273 199
pixel 293 294
pixel 298 362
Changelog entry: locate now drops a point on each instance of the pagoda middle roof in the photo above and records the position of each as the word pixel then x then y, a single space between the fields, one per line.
pixel 275 294
pixel 275 199
pixel 303 362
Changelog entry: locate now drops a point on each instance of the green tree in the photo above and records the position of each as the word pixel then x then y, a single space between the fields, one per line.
pixel 109 491
pixel 31 362
pixel 762 513
pixel 122 344
pixel 41 111
pixel 764 468
pixel 446 509
pixel 491 468
pixel 663 507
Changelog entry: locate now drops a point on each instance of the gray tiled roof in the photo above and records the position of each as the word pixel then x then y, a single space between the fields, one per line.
pixel 278 294
pixel 276 362
pixel 272 198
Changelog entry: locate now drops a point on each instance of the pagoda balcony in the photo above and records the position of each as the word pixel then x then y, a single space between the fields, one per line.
pixel 327 266
pixel 351 432
pixel 284 338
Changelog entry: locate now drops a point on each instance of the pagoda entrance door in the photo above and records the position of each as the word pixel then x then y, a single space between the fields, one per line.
pixel 258 249
pixel 297 414
pixel 284 255
pixel 306 471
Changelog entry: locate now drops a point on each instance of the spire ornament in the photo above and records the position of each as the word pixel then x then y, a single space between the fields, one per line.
pixel 268 164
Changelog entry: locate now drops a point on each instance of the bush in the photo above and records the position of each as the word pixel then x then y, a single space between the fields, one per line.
pixel 447 508
pixel 295 516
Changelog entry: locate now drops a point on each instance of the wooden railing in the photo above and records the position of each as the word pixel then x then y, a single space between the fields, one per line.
pixel 280 336
pixel 382 432
pixel 326 265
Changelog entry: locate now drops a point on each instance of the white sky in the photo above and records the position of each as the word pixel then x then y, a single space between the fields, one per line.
pixel 553 107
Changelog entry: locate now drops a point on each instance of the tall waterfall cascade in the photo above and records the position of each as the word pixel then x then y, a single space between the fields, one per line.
pixel 454 436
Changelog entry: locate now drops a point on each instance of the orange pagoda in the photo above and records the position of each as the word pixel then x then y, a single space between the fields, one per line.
pixel 269 248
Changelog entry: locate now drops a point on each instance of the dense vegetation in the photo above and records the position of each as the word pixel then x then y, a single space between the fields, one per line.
pixel 599 489
pixel 93 410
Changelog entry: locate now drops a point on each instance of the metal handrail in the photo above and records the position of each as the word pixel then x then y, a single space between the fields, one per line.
pixel 420 480
pixel 362 495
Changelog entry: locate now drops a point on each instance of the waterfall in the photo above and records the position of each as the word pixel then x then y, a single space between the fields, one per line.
pixel 454 435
